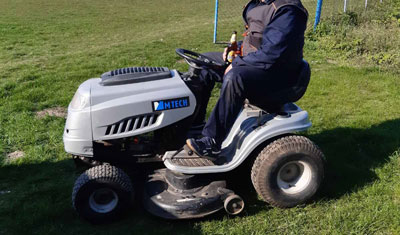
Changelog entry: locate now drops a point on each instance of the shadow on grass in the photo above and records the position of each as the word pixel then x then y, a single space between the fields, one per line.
pixel 44 189
pixel 353 154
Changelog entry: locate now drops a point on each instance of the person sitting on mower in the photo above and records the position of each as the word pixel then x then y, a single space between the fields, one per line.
pixel 272 53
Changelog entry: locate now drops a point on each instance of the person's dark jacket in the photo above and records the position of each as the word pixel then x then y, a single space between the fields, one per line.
pixel 282 43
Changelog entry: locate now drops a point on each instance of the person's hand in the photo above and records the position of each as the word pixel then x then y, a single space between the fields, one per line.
pixel 228 69
pixel 225 54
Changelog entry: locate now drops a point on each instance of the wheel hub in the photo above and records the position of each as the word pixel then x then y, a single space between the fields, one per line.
pixel 294 177
pixel 103 200
pixel 290 172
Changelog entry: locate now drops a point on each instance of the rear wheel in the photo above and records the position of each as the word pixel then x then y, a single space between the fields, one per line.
pixel 288 172
pixel 102 194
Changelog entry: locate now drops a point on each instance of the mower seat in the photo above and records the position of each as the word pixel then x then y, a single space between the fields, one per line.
pixel 274 102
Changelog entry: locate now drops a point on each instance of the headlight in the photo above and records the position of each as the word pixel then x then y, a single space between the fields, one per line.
pixel 79 101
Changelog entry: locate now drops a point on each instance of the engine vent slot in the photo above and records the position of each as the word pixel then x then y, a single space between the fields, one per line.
pixel 134 75
pixel 132 124
pixel 132 70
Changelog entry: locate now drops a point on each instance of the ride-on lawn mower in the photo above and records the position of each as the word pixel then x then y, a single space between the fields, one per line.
pixel 143 114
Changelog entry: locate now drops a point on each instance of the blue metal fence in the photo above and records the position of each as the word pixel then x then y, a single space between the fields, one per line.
pixel 216 21
pixel 318 13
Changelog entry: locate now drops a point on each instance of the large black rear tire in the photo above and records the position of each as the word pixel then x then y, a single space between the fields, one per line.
pixel 288 172
pixel 102 194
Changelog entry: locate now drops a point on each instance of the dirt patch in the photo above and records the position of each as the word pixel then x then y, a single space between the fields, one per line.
pixel 331 61
pixel 14 156
pixel 182 61
pixel 54 112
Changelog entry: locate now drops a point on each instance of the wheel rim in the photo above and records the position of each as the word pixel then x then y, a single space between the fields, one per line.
pixel 103 200
pixel 294 177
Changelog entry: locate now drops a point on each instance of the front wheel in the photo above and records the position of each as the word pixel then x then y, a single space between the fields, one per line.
pixel 288 172
pixel 102 194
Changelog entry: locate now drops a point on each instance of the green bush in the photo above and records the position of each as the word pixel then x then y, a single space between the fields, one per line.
pixel 362 38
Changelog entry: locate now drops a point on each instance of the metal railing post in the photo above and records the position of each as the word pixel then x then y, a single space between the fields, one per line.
pixel 216 21
pixel 318 14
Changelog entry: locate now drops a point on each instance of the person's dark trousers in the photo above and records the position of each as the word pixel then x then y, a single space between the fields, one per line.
pixel 208 79
pixel 238 84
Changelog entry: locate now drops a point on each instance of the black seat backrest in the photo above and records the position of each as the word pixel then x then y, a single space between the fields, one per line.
pixel 301 87
pixel 290 94
pixel 294 93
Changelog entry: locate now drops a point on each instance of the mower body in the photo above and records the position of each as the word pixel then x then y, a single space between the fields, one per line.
pixel 104 118
pixel 145 114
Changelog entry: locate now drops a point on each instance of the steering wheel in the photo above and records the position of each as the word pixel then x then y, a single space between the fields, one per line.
pixel 198 61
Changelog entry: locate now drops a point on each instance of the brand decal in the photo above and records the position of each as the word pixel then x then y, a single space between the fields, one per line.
pixel 171 104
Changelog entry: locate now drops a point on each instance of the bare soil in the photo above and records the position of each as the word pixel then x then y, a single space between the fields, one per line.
pixel 15 155
pixel 54 112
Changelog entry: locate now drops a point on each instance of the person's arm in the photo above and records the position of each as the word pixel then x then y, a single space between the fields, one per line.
pixel 288 26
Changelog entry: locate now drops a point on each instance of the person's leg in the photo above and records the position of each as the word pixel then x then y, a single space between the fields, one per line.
pixel 225 112
pixel 238 84
pixel 208 79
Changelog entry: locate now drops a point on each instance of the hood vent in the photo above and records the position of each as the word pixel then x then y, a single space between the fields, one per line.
pixel 134 75
pixel 137 70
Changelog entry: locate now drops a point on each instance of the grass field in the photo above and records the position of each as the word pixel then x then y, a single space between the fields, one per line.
pixel 47 48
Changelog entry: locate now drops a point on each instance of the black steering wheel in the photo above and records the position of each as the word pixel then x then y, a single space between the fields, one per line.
pixel 198 61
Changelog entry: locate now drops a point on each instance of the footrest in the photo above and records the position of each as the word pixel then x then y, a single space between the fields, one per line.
pixel 191 162
pixel 182 158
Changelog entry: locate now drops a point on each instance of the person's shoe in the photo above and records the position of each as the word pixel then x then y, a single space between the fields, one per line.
pixel 205 147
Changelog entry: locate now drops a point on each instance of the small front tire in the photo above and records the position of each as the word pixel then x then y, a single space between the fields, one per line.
pixel 288 172
pixel 102 194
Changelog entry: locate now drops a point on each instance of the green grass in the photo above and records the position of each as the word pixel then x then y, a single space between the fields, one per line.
pixel 47 48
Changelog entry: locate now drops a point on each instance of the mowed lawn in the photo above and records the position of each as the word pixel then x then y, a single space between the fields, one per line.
pixel 47 48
